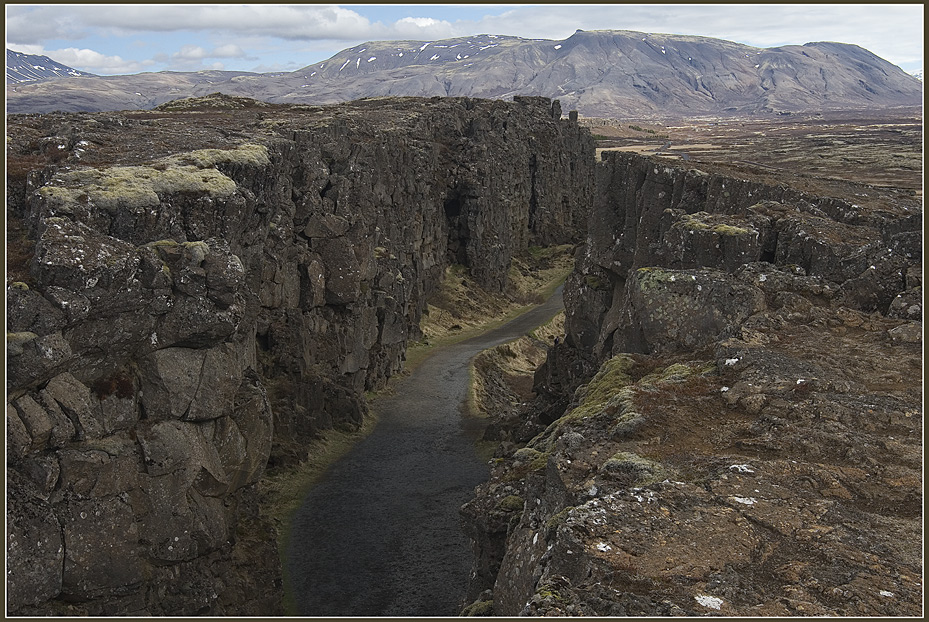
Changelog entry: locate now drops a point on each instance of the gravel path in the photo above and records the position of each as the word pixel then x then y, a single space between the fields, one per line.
pixel 380 535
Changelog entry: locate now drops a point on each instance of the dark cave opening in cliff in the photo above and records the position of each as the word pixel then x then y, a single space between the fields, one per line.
pixel 457 228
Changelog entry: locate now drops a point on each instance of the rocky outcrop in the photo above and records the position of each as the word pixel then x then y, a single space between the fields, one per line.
pixel 733 422
pixel 650 214
pixel 228 289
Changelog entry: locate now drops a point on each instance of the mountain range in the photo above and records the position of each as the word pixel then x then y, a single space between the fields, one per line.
pixel 599 73
pixel 33 68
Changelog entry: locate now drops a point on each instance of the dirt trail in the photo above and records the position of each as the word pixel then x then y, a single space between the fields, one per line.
pixel 380 535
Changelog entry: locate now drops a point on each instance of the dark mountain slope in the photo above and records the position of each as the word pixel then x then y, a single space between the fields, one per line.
pixel 33 68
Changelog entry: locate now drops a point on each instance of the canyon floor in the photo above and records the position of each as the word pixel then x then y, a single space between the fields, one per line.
pixel 330 510
pixel 380 534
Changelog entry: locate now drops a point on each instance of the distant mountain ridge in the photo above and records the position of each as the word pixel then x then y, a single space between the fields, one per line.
pixel 22 67
pixel 598 73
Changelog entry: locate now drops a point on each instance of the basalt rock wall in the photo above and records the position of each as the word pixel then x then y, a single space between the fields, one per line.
pixel 732 424
pixel 649 213
pixel 204 288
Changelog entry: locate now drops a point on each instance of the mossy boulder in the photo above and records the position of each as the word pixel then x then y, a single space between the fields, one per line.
pixel 683 310
pixel 722 241
pixel 131 188
pixel 633 470
pixel 511 503
pixel 479 608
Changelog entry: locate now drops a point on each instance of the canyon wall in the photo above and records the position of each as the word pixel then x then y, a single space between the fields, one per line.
pixel 732 423
pixel 195 292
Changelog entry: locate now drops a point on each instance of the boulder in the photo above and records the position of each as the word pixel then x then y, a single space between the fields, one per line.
pixel 674 310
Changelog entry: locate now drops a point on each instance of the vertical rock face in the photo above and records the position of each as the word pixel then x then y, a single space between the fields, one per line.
pixel 650 214
pixel 211 302
pixel 732 423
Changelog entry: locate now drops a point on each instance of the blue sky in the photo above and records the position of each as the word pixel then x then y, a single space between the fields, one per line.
pixel 131 38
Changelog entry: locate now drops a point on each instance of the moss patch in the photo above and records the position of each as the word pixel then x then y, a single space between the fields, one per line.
pixel 608 392
pixel 702 221
pixel 479 608
pixel 140 187
pixel 133 187
pixel 511 503
pixel 243 155
pixel 558 519
pixel 634 470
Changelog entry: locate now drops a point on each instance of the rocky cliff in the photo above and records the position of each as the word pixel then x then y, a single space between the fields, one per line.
pixel 732 423
pixel 194 292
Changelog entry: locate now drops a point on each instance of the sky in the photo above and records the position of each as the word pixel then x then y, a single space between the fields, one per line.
pixel 131 38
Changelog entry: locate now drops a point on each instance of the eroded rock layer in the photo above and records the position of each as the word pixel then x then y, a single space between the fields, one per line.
pixel 194 292
pixel 732 424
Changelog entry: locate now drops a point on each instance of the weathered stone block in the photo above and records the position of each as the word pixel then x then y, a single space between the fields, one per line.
pixel 717 241
pixel 18 441
pixel 37 422
pixel 669 310
pixel 169 379
pixel 343 273
pixel 36 358
pixel 34 548
pixel 44 470
pixel 76 257
pixel 100 542
pixel 30 312
pixel 63 429
pixel 77 403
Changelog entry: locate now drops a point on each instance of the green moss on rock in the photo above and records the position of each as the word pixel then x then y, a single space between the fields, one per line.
pixel 243 155
pixel 479 608
pixel 634 469
pixel 558 519
pixel 511 503
pixel 133 187
pixel 702 221
pixel 140 187
pixel 609 392
pixel 16 341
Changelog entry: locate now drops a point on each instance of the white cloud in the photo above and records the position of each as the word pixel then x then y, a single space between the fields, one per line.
pixel 38 50
pixel 419 22
pixel 229 50
pixel 894 32
pixel 198 53
pixel 190 52
pixel 32 24
pixel 425 28
pixel 95 62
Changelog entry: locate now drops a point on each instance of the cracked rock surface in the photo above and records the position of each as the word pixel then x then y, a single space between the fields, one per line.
pixel 733 422
pixel 194 292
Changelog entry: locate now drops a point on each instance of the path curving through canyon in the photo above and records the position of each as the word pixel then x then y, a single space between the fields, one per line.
pixel 380 535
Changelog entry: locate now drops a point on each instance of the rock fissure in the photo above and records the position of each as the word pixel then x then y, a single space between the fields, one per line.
pixel 766 291
pixel 198 313
pixel 249 294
